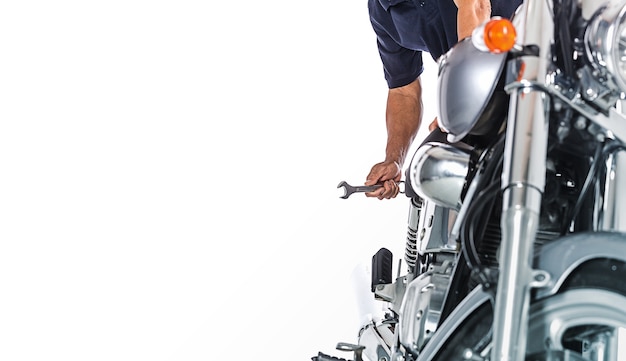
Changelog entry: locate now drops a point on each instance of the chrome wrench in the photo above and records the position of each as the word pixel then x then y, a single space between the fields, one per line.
pixel 348 189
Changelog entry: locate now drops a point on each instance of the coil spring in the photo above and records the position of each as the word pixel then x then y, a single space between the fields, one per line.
pixel 410 249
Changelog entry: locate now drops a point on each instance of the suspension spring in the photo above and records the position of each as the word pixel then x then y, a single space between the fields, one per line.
pixel 411 252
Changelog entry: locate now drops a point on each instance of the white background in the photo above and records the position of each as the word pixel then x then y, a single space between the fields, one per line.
pixel 168 174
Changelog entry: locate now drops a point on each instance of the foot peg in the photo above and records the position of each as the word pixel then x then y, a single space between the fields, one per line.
pixel 382 268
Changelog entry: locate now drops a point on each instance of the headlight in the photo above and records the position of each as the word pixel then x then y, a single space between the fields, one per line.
pixel 605 41
pixel 437 172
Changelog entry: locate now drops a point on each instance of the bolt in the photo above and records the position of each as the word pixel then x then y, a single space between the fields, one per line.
pixel 540 277
pixel 580 123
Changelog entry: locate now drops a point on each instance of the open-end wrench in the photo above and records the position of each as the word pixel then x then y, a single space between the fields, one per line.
pixel 348 189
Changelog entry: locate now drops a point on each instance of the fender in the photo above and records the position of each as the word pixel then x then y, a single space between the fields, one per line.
pixel 561 257
pixel 476 298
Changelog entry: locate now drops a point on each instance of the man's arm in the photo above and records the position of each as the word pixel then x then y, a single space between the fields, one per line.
pixel 403 118
pixel 471 13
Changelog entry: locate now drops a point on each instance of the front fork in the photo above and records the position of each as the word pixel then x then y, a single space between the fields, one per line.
pixel 523 181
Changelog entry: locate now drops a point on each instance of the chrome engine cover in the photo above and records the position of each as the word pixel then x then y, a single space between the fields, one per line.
pixel 423 302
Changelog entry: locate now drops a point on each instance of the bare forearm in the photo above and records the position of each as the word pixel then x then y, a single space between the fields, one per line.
pixel 471 13
pixel 404 115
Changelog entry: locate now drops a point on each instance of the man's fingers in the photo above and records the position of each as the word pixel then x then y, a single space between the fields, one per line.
pixel 390 189
pixel 381 195
pixel 388 173
pixel 375 174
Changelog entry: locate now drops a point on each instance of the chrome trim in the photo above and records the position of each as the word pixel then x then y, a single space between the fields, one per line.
pixel 613 120
pixel 422 305
pixel 613 200
pixel 434 227
pixel 601 38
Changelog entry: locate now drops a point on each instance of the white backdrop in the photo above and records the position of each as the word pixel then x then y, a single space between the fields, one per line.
pixel 169 172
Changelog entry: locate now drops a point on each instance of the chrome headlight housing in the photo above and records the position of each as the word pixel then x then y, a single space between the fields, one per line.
pixel 437 172
pixel 605 43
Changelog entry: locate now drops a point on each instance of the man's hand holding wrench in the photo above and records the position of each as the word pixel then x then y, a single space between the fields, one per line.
pixel 377 190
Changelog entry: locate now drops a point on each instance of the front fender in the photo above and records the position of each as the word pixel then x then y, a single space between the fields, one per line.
pixel 561 257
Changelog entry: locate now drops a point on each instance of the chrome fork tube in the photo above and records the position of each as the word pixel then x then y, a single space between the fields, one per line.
pixel 612 215
pixel 523 180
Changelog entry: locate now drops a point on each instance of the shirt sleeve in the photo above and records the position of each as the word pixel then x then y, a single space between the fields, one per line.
pixel 401 65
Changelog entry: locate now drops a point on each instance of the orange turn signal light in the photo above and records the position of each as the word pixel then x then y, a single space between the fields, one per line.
pixel 499 35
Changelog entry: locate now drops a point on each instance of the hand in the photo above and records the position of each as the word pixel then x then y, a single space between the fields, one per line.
pixel 470 14
pixel 388 174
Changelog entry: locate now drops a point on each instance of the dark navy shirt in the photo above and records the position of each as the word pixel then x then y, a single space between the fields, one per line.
pixel 407 28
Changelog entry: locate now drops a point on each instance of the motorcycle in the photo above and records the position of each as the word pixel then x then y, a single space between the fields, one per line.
pixel 516 240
